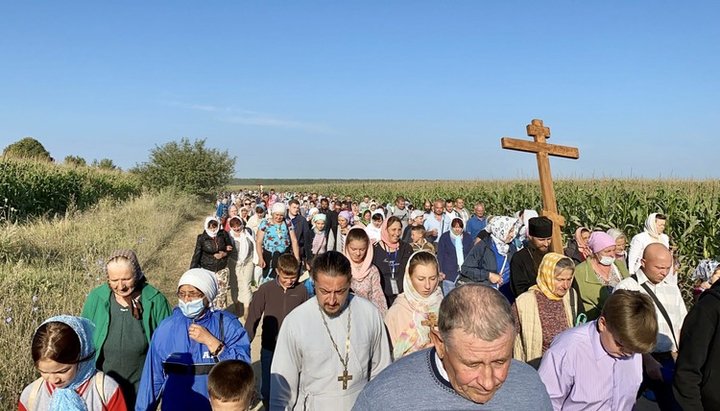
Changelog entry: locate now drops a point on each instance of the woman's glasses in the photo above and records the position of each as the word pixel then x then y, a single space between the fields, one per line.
pixel 192 295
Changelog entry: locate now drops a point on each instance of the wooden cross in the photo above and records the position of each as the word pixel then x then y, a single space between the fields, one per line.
pixel 431 321
pixel 345 378
pixel 543 150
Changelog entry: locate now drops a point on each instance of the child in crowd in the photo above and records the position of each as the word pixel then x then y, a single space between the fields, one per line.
pixel 231 386
pixel 64 354
pixel 275 299
pixel 417 235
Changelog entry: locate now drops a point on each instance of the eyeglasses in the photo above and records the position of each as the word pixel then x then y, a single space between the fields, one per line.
pixel 192 295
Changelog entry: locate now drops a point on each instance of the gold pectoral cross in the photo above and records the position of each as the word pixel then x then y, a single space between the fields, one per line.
pixel 345 378
pixel 431 321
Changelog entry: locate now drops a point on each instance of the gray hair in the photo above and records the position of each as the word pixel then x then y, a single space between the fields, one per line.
pixel 477 310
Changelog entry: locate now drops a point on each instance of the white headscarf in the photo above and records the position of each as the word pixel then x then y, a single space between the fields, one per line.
pixel 500 226
pixel 201 279
pixel 212 234
pixel 278 208
pixel 651 226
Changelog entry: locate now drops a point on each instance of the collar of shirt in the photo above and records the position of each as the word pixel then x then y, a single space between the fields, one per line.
pixel 440 367
pixel 597 347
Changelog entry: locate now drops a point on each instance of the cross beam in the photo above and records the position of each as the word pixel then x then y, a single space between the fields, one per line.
pixel 543 150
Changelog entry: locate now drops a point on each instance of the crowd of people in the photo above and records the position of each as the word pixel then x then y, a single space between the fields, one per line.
pixel 369 306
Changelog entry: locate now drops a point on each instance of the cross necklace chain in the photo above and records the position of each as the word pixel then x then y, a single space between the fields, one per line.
pixel 345 377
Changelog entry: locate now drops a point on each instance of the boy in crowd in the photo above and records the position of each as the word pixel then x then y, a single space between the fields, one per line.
pixel 231 386
pixel 275 299
pixel 417 235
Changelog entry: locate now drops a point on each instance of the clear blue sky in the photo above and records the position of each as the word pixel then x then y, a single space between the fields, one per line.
pixel 369 89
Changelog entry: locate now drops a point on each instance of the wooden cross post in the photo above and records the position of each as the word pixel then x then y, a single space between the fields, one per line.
pixel 543 150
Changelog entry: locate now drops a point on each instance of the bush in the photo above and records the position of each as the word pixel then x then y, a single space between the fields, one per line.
pixel 28 148
pixel 188 167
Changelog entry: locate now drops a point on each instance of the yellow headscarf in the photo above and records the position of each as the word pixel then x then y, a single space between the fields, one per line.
pixel 546 275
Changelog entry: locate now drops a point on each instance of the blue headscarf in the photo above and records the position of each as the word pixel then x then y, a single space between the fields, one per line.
pixel 67 398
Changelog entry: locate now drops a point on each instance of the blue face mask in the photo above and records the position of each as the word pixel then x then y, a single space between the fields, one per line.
pixel 191 309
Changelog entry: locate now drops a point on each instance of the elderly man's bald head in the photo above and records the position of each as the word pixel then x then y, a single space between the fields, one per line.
pixel 656 262
pixel 477 310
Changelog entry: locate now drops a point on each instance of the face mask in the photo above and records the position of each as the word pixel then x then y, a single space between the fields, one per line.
pixel 191 309
pixel 607 260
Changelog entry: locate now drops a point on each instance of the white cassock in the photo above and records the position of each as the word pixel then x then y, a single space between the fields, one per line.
pixel 306 367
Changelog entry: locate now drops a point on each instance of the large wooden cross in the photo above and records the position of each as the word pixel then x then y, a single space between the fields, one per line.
pixel 543 150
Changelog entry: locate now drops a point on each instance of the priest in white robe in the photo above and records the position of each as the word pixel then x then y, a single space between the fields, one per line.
pixel 329 347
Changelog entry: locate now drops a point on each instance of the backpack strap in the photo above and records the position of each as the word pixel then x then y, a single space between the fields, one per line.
pixel 660 307
pixel 100 386
pixel 35 388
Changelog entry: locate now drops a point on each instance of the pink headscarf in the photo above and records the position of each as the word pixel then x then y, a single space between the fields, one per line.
pixel 599 241
pixel 582 245
pixel 360 271
pixel 385 236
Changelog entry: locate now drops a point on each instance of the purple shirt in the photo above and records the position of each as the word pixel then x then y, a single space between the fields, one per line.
pixel 580 375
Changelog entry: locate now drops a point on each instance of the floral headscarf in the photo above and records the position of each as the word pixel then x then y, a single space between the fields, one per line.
pixel 705 270
pixel 500 227
pixel 546 276
pixel 67 398
pixel 416 336
pixel 206 227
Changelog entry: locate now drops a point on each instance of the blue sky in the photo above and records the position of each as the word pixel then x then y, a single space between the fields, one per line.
pixel 369 89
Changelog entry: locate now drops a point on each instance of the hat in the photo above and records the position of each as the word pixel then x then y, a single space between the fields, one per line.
pixel 599 241
pixel 540 227
pixel 416 213
pixel 201 279
pixel 277 208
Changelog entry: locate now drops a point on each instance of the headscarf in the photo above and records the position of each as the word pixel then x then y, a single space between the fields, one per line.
pixel 416 335
pixel 67 398
pixel 582 245
pixel 614 233
pixel 318 217
pixel 385 236
pixel 202 279
pixel 133 300
pixel 599 241
pixel 651 226
pixel 212 234
pixel 278 208
pixel 347 215
pixel 313 212
pixel 458 243
pixel 705 270
pixel 360 271
pixel 546 276
pixel 500 226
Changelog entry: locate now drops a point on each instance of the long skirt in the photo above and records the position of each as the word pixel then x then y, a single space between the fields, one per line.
pixel 239 280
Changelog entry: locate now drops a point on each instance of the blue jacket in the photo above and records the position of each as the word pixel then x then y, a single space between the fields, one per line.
pixel 481 261
pixel 447 257
pixel 475 225
pixel 171 345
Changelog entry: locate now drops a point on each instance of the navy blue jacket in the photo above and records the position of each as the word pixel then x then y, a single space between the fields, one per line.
pixel 447 257
pixel 481 261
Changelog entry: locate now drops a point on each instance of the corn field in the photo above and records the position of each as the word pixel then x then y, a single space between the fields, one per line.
pixel 30 188
pixel 692 207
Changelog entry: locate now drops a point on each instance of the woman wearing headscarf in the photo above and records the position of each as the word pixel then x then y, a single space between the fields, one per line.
pixel 240 264
pixel 489 260
pixel 653 233
pixel 376 222
pixel 577 247
pixel 365 276
pixel 126 311
pixel 275 237
pixel 318 236
pixel 211 253
pixel 705 275
pixel 415 310
pixel 365 219
pixel 598 275
pixel 546 309
pixel 390 256
pixel 620 244
pixel 64 354
pixel 187 344
pixel 453 246
pixel 336 239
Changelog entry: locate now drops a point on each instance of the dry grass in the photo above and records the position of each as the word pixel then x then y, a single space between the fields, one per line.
pixel 48 267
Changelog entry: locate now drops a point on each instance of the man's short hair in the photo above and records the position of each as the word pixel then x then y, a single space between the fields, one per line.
pixel 477 310
pixel 418 229
pixel 630 317
pixel 232 381
pixel 293 201
pixel 288 264
pixel 332 264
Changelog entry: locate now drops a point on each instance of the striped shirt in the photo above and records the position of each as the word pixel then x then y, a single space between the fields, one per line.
pixel 668 293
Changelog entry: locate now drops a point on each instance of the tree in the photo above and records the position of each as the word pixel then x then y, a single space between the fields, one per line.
pixel 190 167
pixel 105 164
pixel 28 148
pixel 75 161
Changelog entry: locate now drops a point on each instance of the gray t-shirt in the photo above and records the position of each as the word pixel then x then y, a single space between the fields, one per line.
pixel 415 383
